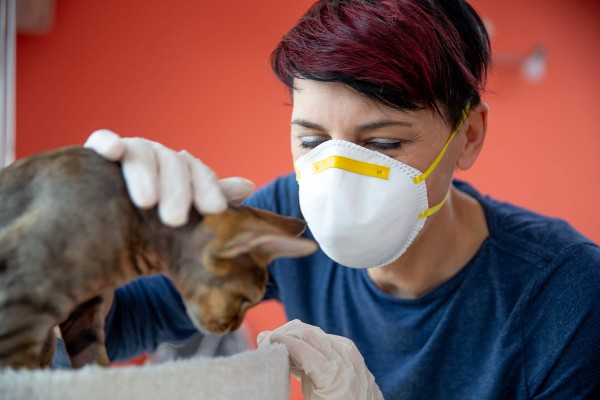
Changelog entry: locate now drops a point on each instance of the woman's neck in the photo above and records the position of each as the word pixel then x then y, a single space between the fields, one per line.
pixel 443 248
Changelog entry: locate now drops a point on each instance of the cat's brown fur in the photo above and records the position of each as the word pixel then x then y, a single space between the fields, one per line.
pixel 69 235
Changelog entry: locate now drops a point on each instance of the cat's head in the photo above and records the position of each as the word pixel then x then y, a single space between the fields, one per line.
pixel 224 270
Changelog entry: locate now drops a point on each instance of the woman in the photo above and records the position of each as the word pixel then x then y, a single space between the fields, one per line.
pixel 444 292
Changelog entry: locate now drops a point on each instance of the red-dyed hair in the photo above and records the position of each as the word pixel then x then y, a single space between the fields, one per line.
pixel 407 54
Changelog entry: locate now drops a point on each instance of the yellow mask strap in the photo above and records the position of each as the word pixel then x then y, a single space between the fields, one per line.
pixel 423 176
pixel 434 209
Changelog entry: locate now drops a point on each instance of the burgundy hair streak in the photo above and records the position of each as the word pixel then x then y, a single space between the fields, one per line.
pixel 406 54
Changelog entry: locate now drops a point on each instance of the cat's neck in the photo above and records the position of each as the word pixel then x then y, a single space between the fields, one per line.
pixel 160 249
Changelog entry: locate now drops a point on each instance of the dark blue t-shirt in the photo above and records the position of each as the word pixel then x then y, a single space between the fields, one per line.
pixel 520 321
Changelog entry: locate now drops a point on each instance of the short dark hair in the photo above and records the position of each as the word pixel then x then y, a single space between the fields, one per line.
pixel 406 54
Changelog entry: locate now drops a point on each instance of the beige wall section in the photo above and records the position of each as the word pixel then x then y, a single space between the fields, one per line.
pixel 7 80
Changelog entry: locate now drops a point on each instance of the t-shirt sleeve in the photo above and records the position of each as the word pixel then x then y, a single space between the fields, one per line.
pixel 144 313
pixel 561 330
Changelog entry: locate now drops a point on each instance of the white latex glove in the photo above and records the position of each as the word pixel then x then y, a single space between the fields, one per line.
pixel 329 366
pixel 175 180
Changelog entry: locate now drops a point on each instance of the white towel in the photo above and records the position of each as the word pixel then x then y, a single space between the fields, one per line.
pixel 261 374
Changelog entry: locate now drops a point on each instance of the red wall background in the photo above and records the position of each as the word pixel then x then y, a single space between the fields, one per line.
pixel 195 75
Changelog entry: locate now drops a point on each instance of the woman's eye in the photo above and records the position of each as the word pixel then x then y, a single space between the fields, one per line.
pixel 384 144
pixel 310 142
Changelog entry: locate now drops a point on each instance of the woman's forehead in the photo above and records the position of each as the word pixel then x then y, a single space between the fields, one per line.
pixel 326 101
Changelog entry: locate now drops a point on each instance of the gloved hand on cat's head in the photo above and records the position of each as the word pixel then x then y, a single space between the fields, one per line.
pixel 329 366
pixel 155 174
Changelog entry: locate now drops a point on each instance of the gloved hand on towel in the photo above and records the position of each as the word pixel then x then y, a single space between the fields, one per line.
pixel 329 366
pixel 155 174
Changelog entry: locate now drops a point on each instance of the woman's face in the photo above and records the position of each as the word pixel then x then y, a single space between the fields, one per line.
pixel 324 111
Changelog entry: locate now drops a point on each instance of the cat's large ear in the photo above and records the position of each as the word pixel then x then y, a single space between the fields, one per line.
pixel 268 246
pixel 291 225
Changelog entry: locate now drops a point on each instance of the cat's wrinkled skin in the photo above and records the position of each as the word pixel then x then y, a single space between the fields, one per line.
pixel 69 235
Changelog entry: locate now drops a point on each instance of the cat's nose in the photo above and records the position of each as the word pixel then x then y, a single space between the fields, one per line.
pixel 222 325
pixel 231 324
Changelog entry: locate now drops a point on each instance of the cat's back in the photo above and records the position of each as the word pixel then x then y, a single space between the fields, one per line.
pixel 66 163
pixel 67 180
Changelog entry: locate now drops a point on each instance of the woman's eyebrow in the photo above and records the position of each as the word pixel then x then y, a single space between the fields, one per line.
pixel 371 126
pixel 307 124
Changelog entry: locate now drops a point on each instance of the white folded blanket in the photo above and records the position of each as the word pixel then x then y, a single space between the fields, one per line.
pixel 261 374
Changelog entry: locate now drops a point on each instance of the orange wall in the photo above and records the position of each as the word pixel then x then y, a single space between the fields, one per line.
pixel 195 75
pixel 543 145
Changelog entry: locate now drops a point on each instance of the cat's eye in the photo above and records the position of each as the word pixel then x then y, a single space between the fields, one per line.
pixel 244 301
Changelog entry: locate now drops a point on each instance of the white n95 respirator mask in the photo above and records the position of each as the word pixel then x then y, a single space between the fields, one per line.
pixel 363 208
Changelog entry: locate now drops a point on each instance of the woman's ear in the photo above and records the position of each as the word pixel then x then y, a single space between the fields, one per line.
pixel 475 134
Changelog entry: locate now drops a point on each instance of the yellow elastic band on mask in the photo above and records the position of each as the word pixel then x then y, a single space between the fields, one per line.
pixel 422 177
pixel 348 164
pixel 434 209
